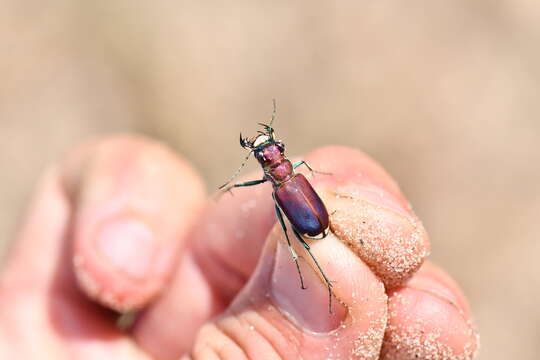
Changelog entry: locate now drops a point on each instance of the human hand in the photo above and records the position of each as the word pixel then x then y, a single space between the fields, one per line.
pixel 124 220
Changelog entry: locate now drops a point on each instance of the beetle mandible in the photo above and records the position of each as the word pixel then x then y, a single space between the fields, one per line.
pixel 292 193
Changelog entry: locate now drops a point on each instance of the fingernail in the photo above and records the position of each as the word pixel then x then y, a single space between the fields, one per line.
pixel 126 244
pixel 308 308
pixel 433 286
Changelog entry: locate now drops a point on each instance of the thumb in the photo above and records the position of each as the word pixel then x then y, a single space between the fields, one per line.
pixel 273 318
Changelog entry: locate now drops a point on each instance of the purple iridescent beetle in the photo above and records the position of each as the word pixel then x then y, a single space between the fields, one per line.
pixel 293 195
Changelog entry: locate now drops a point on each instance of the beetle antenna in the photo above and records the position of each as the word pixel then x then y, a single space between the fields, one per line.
pixel 274 112
pixel 237 171
pixel 269 127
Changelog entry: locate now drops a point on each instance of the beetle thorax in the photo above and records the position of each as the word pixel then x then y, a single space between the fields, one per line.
pixel 276 166
pixel 269 155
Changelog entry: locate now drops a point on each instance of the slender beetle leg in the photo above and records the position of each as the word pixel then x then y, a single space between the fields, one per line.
pixel 302 162
pixel 328 282
pixel 247 183
pixel 293 252
pixel 243 143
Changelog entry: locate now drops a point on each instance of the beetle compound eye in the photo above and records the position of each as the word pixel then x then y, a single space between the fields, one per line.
pixel 260 155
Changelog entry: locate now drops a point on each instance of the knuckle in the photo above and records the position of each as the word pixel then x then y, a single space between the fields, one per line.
pixel 214 343
pixel 109 154
pixel 244 336
pixel 131 145
pixel 131 152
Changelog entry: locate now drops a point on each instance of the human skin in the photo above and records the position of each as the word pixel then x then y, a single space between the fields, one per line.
pixel 124 224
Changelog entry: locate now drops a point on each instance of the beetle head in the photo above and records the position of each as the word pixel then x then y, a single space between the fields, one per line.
pixel 263 137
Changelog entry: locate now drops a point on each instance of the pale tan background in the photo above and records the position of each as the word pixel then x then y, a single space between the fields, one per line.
pixel 444 94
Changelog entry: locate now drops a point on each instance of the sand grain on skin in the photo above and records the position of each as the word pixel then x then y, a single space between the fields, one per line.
pixel 394 245
pixel 414 329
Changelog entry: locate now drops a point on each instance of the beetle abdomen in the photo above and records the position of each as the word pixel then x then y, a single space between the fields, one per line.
pixel 302 206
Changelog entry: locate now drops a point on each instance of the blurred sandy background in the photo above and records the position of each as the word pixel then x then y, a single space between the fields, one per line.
pixel 444 94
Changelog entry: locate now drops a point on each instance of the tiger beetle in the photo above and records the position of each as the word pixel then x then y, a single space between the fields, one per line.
pixel 292 193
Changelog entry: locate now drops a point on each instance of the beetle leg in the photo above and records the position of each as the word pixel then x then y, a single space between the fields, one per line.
pixel 241 166
pixel 302 162
pixel 247 183
pixel 328 282
pixel 293 252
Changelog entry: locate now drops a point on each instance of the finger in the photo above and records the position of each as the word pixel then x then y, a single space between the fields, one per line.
pixel 435 280
pixel 273 318
pixel 226 244
pixel 40 316
pixel 371 214
pixel 133 201
pixel 223 249
pixel 429 319
pixel 32 260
